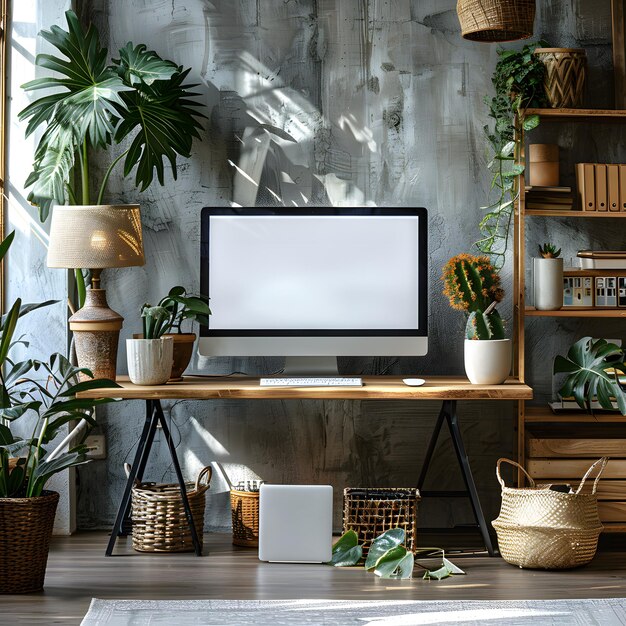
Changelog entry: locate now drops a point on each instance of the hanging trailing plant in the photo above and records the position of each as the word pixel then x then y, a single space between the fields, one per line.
pixel 518 82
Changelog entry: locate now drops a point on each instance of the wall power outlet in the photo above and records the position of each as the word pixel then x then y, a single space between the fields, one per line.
pixel 97 443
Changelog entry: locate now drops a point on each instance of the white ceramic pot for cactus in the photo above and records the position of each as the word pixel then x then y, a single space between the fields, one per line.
pixel 548 284
pixel 150 360
pixel 487 362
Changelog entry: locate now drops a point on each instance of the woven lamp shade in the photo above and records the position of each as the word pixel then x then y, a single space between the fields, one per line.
pixel 95 237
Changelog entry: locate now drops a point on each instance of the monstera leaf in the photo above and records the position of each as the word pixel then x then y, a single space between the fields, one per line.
pixel 587 378
pixel 93 104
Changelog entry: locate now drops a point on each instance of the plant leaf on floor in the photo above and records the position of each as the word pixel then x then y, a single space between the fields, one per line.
pixel 448 568
pixel 383 544
pixel 347 551
pixel 396 563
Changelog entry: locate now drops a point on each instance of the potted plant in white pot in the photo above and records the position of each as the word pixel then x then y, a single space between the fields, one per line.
pixel 150 355
pixel 38 398
pixel 139 102
pixel 548 278
pixel 183 306
pixel 472 285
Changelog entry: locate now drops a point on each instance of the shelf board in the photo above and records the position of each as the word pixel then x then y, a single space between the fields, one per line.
pixel 574 311
pixel 575 213
pixel 614 527
pixel 579 272
pixel 578 115
pixel 541 414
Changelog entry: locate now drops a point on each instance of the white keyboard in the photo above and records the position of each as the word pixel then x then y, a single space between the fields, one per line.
pixel 292 381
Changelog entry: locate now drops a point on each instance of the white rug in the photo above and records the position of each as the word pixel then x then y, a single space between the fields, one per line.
pixel 365 612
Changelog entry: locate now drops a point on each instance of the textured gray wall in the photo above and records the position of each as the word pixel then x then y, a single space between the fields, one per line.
pixel 385 103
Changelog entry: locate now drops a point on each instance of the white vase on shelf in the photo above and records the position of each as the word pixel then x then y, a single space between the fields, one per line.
pixel 548 284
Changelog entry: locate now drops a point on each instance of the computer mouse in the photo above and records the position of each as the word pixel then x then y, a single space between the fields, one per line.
pixel 413 382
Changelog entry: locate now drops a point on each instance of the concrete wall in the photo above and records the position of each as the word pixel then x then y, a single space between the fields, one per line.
pixel 383 102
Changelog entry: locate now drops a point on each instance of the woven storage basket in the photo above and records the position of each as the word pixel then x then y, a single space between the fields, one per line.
pixel 566 69
pixel 245 512
pixel 158 514
pixel 545 529
pixel 370 512
pixel 496 20
pixel 25 531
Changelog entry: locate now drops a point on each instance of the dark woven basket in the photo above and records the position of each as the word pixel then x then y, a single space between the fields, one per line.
pixel 245 512
pixel 158 515
pixel 370 512
pixel 496 20
pixel 25 531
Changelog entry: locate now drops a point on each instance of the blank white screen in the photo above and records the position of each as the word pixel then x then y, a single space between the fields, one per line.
pixel 313 272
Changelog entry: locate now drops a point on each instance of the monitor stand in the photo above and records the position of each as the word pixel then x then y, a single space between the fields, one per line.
pixel 311 366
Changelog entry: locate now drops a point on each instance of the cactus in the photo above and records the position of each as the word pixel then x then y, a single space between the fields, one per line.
pixel 482 325
pixel 549 251
pixel 471 283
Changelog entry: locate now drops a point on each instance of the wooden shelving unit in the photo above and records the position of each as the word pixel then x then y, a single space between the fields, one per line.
pixel 559 447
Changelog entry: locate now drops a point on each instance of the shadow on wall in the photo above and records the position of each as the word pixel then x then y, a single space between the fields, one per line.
pixel 276 156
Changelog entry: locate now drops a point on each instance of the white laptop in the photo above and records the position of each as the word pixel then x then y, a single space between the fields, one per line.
pixel 296 523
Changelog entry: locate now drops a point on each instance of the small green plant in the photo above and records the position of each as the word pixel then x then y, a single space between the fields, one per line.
pixel 593 369
pixel 472 285
pixel 518 82
pixel 155 321
pixel 549 251
pixel 388 557
pixel 182 306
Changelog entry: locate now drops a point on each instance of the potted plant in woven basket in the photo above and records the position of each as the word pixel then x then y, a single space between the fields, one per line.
pixel 472 285
pixel 37 397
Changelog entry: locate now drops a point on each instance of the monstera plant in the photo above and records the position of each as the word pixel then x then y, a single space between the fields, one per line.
pixel 595 372
pixel 138 100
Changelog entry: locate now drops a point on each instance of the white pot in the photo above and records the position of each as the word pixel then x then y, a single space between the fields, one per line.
pixel 150 360
pixel 487 362
pixel 548 284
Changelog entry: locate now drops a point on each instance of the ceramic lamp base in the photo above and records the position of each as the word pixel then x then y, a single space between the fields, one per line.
pixel 96 330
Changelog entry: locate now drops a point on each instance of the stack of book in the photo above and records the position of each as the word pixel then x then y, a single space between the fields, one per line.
pixel 549 198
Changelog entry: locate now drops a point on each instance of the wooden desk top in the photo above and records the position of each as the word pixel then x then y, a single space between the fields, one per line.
pixel 374 388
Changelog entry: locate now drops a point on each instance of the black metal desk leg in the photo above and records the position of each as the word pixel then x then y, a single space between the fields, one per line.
pixel 154 420
pixel 179 475
pixel 468 477
pixel 125 503
pixel 431 447
pixel 448 414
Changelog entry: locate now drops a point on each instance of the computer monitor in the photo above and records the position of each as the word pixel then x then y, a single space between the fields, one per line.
pixel 314 284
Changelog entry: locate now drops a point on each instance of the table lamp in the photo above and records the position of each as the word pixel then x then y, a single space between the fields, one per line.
pixel 96 237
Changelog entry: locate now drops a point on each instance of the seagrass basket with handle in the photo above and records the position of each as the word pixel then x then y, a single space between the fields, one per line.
pixel 540 528
pixel 158 514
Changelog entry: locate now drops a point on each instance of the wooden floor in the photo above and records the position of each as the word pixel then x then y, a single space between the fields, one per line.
pixel 78 571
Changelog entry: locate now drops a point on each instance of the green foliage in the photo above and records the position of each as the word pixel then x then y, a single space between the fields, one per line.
pixel 593 369
pixel 182 306
pixel 518 83
pixel 44 391
pixel 549 251
pixel 472 285
pixel 484 325
pixel 155 320
pixel 94 105
pixel 387 557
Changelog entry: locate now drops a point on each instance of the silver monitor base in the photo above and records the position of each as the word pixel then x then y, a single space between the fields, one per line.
pixel 311 366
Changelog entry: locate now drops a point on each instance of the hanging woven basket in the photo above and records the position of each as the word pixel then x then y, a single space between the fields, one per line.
pixel 496 20
pixel 564 81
